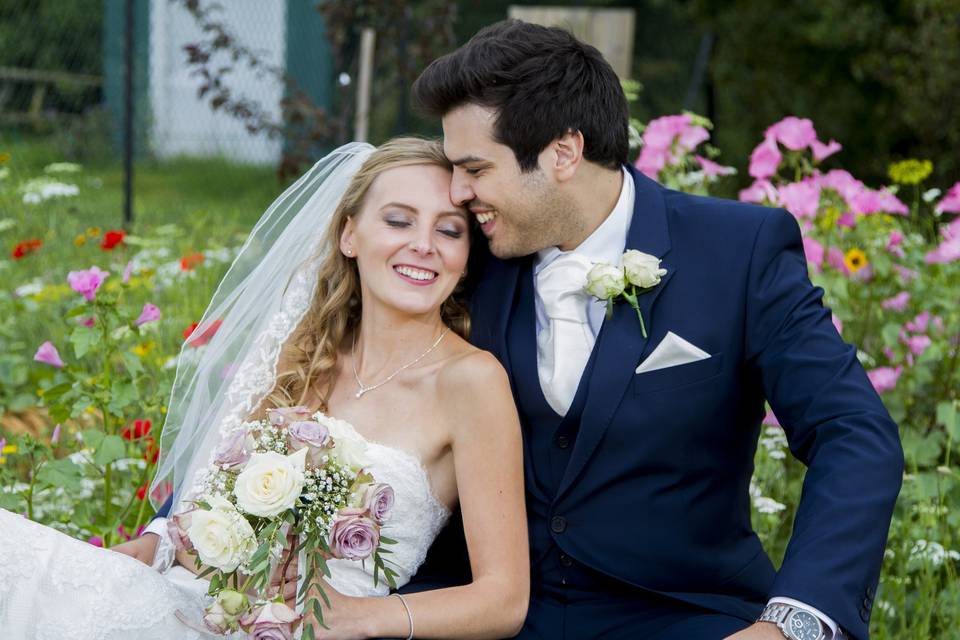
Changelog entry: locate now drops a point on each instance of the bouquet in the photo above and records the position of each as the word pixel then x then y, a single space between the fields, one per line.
pixel 271 482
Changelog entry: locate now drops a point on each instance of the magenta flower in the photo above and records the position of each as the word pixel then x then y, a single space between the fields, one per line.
pixel 865 202
pixel 847 219
pixel 823 151
pixel 946 251
pixel 801 198
pixel 842 182
pixel 127 272
pixel 838 323
pixel 951 201
pixel 765 159
pixel 691 136
pixel 835 260
pixel 792 132
pixel 917 344
pixel 652 161
pixel 87 282
pixel 894 241
pixel 47 354
pixel 661 132
pixel 150 313
pixel 892 204
pixel 814 252
pixel 760 191
pixel 770 419
pixel 884 378
pixel 906 275
pixel 96 541
pixel 896 303
pixel 713 169
pixel 918 324
pixel 87 322
pixel 55 438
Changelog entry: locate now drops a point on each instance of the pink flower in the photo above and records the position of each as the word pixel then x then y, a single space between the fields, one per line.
pixel 378 500
pixel 272 621
pixel 951 201
pixel 287 415
pixel 354 536
pixel 87 322
pixel 87 282
pixel 96 541
pixel 896 303
pixel 837 323
pixel 760 191
pixel 47 354
pixel 150 313
pixel 770 418
pixel 890 353
pixel 792 132
pixel 906 275
pixel 765 159
pixel 713 169
pixel 55 438
pixel 835 260
pixel 842 182
pixel 127 272
pixel 691 136
pixel 892 204
pixel 918 324
pixel 814 252
pixel 884 378
pixel 652 161
pixel 847 219
pixel 895 239
pixel 823 151
pixel 917 344
pixel 865 202
pixel 801 198
pixel 946 251
pixel 660 132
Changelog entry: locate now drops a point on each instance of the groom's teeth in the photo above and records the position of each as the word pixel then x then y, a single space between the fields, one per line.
pixel 484 218
pixel 416 274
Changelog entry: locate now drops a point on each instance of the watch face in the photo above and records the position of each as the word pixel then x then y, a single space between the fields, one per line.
pixel 802 625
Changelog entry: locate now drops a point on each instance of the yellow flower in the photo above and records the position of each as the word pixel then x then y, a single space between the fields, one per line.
pixel 142 350
pixel 4 157
pixel 855 260
pixel 910 171
pixel 93 232
pixel 2 459
pixel 10 448
pixel 80 240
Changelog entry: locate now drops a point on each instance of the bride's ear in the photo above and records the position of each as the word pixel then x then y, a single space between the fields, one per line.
pixel 346 239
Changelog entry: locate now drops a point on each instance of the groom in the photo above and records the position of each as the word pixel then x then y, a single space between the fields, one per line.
pixel 639 450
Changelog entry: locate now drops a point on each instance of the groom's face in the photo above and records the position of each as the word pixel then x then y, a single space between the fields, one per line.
pixel 517 211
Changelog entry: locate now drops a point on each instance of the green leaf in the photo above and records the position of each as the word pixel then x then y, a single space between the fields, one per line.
pixel 77 311
pixel 386 540
pixel 60 473
pixel 56 392
pixel 132 363
pixel 83 339
pixel 92 438
pixel 922 451
pixel 949 418
pixel 110 450
pixel 11 502
pixel 123 393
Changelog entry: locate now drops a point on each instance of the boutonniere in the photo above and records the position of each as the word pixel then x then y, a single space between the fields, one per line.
pixel 638 273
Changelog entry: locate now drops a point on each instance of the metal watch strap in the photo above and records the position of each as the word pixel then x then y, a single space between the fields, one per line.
pixel 776 613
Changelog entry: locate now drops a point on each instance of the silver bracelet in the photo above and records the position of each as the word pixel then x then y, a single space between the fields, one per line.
pixel 409 615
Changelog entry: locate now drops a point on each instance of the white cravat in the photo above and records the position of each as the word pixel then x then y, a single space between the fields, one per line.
pixel 563 348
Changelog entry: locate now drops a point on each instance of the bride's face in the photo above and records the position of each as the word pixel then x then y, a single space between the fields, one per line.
pixel 410 241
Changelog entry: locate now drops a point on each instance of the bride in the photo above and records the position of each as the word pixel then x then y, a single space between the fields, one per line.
pixel 342 301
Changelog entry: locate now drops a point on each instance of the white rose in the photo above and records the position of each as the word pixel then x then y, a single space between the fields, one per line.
pixel 642 269
pixel 349 448
pixel 605 281
pixel 270 483
pixel 221 536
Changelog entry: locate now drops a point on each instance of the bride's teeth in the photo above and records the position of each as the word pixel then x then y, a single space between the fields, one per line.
pixel 416 274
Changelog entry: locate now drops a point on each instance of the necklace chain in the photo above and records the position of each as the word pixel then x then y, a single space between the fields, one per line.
pixel 362 389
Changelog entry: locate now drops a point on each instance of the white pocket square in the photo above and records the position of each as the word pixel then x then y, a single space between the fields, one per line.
pixel 672 351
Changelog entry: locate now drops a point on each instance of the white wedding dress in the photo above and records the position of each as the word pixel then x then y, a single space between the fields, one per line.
pixel 54 587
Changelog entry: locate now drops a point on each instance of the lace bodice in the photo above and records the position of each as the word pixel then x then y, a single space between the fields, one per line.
pixel 53 586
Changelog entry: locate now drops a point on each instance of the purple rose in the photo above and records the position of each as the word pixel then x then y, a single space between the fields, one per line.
pixel 272 621
pixel 177 527
pixel 354 536
pixel 378 500
pixel 306 433
pixel 287 415
pixel 234 450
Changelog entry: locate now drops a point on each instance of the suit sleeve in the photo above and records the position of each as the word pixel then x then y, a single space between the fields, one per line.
pixel 164 509
pixel 835 424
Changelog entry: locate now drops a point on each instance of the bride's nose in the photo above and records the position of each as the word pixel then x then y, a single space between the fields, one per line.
pixel 422 244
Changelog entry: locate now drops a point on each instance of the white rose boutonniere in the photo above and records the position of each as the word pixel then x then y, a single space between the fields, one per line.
pixel 639 272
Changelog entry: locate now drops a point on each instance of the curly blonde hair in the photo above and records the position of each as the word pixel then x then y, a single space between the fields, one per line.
pixel 308 359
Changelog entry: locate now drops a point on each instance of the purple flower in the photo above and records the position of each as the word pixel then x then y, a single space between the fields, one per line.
pixel 661 132
pixel 814 252
pixel 838 323
pixel 801 198
pixel 354 536
pixel 651 161
pixel 823 151
pixel 951 201
pixel 835 259
pixel 765 159
pixel 287 415
pixel 947 251
pixel 234 450
pixel 87 282
pixel 917 344
pixel 127 272
pixel 150 313
pixel 760 191
pixel 47 354
pixel 87 322
pixel 177 527
pixel 55 438
pixel 310 434
pixel 892 204
pixel 906 275
pixel 896 303
pixel 842 182
pixel 770 418
pixel 272 621
pixel 847 219
pixel 884 378
pixel 378 500
pixel 918 324
pixel 792 132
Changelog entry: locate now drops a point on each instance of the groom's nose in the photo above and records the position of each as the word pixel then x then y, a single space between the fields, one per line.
pixel 460 190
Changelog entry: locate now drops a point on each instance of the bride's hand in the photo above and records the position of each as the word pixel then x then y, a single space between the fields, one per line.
pixel 342 618
pixel 143 548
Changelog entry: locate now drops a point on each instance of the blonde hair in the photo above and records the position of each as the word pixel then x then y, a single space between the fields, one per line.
pixel 308 359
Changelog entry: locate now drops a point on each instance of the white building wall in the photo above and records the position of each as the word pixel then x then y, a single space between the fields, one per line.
pixel 182 123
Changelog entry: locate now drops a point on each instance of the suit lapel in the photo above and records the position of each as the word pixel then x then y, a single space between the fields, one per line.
pixel 620 343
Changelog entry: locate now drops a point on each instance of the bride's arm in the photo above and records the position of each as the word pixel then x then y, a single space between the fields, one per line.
pixel 488 463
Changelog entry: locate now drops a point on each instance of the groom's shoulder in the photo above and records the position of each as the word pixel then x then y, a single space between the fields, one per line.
pixel 707 209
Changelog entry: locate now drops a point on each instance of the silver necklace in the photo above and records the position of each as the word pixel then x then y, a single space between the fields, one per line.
pixel 362 389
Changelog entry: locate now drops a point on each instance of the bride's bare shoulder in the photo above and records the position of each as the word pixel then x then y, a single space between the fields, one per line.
pixel 473 373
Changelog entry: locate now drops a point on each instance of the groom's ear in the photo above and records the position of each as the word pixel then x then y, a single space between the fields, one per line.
pixel 567 154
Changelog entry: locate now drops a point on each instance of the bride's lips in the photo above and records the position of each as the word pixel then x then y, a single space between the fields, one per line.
pixel 418 276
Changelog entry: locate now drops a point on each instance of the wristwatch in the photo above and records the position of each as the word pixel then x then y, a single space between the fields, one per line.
pixel 795 623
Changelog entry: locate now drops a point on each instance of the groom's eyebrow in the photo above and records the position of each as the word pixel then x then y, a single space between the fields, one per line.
pixel 466 160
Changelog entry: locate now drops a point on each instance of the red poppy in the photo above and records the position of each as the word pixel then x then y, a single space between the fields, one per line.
pixel 26 247
pixel 139 429
pixel 142 492
pixel 152 452
pixel 111 239
pixel 189 263
pixel 204 337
